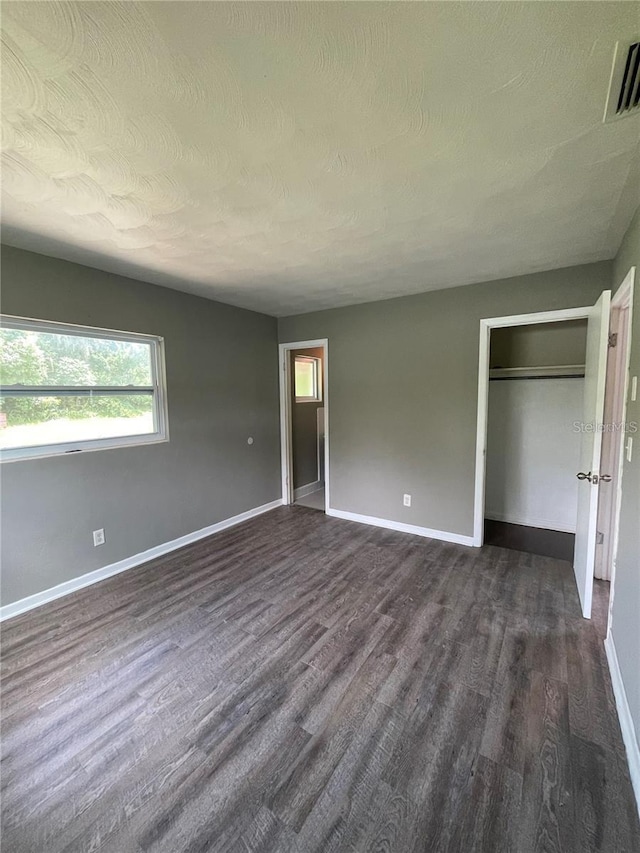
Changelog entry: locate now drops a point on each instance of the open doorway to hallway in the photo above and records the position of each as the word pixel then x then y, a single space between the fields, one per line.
pixel 307 426
pixel 303 415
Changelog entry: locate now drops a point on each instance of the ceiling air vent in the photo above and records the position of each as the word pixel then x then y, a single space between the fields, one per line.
pixel 623 98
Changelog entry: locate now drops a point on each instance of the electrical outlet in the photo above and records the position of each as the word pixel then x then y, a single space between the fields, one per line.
pixel 407 500
pixel 629 449
pixel 634 388
pixel 98 537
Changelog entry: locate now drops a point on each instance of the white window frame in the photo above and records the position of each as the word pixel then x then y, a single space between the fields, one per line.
pixel 317 378
pixel 157 390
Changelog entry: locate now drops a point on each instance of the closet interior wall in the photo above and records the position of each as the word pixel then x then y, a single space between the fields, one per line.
pixel 533 441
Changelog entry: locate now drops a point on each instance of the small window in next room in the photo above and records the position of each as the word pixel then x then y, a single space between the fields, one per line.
pixel 308 379
pixel 65 389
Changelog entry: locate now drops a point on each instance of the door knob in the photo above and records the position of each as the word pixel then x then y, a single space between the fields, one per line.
pixel 594 479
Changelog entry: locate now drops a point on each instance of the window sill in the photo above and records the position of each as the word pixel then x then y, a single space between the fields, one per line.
pixel 30 454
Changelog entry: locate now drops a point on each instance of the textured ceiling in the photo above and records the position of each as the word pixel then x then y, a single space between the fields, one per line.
pixel 288 157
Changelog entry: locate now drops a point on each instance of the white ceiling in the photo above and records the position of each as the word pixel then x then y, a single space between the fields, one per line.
pixel 288 157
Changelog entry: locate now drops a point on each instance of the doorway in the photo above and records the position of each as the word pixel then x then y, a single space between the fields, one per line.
pixel 536 379
pixel 617 438
pixel 303 424
pixel 606 384
pixel 597 317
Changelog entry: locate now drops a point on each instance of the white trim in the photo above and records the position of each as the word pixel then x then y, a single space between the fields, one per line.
pixel 621 301
pixel 401 527
pixel 483 395
pixel 629 735
pixel 544 523
pixel 285 425
pixel 90 578
pixel 309 489
pixel 28 323
pixel 284 369
pixel 42 451
pixel 623 297
pixel 557 316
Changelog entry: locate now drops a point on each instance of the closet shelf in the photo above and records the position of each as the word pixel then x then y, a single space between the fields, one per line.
pixel 554 371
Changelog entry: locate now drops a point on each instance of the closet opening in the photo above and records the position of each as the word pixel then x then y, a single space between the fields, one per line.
pixel 542 467
pixel 535 403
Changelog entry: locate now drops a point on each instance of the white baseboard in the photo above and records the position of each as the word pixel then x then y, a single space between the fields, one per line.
pixel 89 578
pixel 309 489
pixel 544 523
pixel 624 715
pixel 443 535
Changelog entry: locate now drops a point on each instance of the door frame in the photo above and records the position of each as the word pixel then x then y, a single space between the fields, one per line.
pixel 486 325
pixel 286 452
pixel 618 385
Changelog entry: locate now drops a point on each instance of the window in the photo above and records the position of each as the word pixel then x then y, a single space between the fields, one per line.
pixel 65 389
pixel 308 379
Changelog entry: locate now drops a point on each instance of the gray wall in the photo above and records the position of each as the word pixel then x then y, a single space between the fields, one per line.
pixel 304 430
pixel 539 345
pixel 222 377
pixel 626 605
pixel 403 390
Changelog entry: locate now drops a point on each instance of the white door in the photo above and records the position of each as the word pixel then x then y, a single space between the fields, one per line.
pixel 591 446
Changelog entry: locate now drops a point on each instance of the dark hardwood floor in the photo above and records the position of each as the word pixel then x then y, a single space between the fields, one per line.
pixel 301 683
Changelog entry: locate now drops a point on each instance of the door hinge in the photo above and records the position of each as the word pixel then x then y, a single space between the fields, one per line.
pixel 599 538
pixel 613 339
